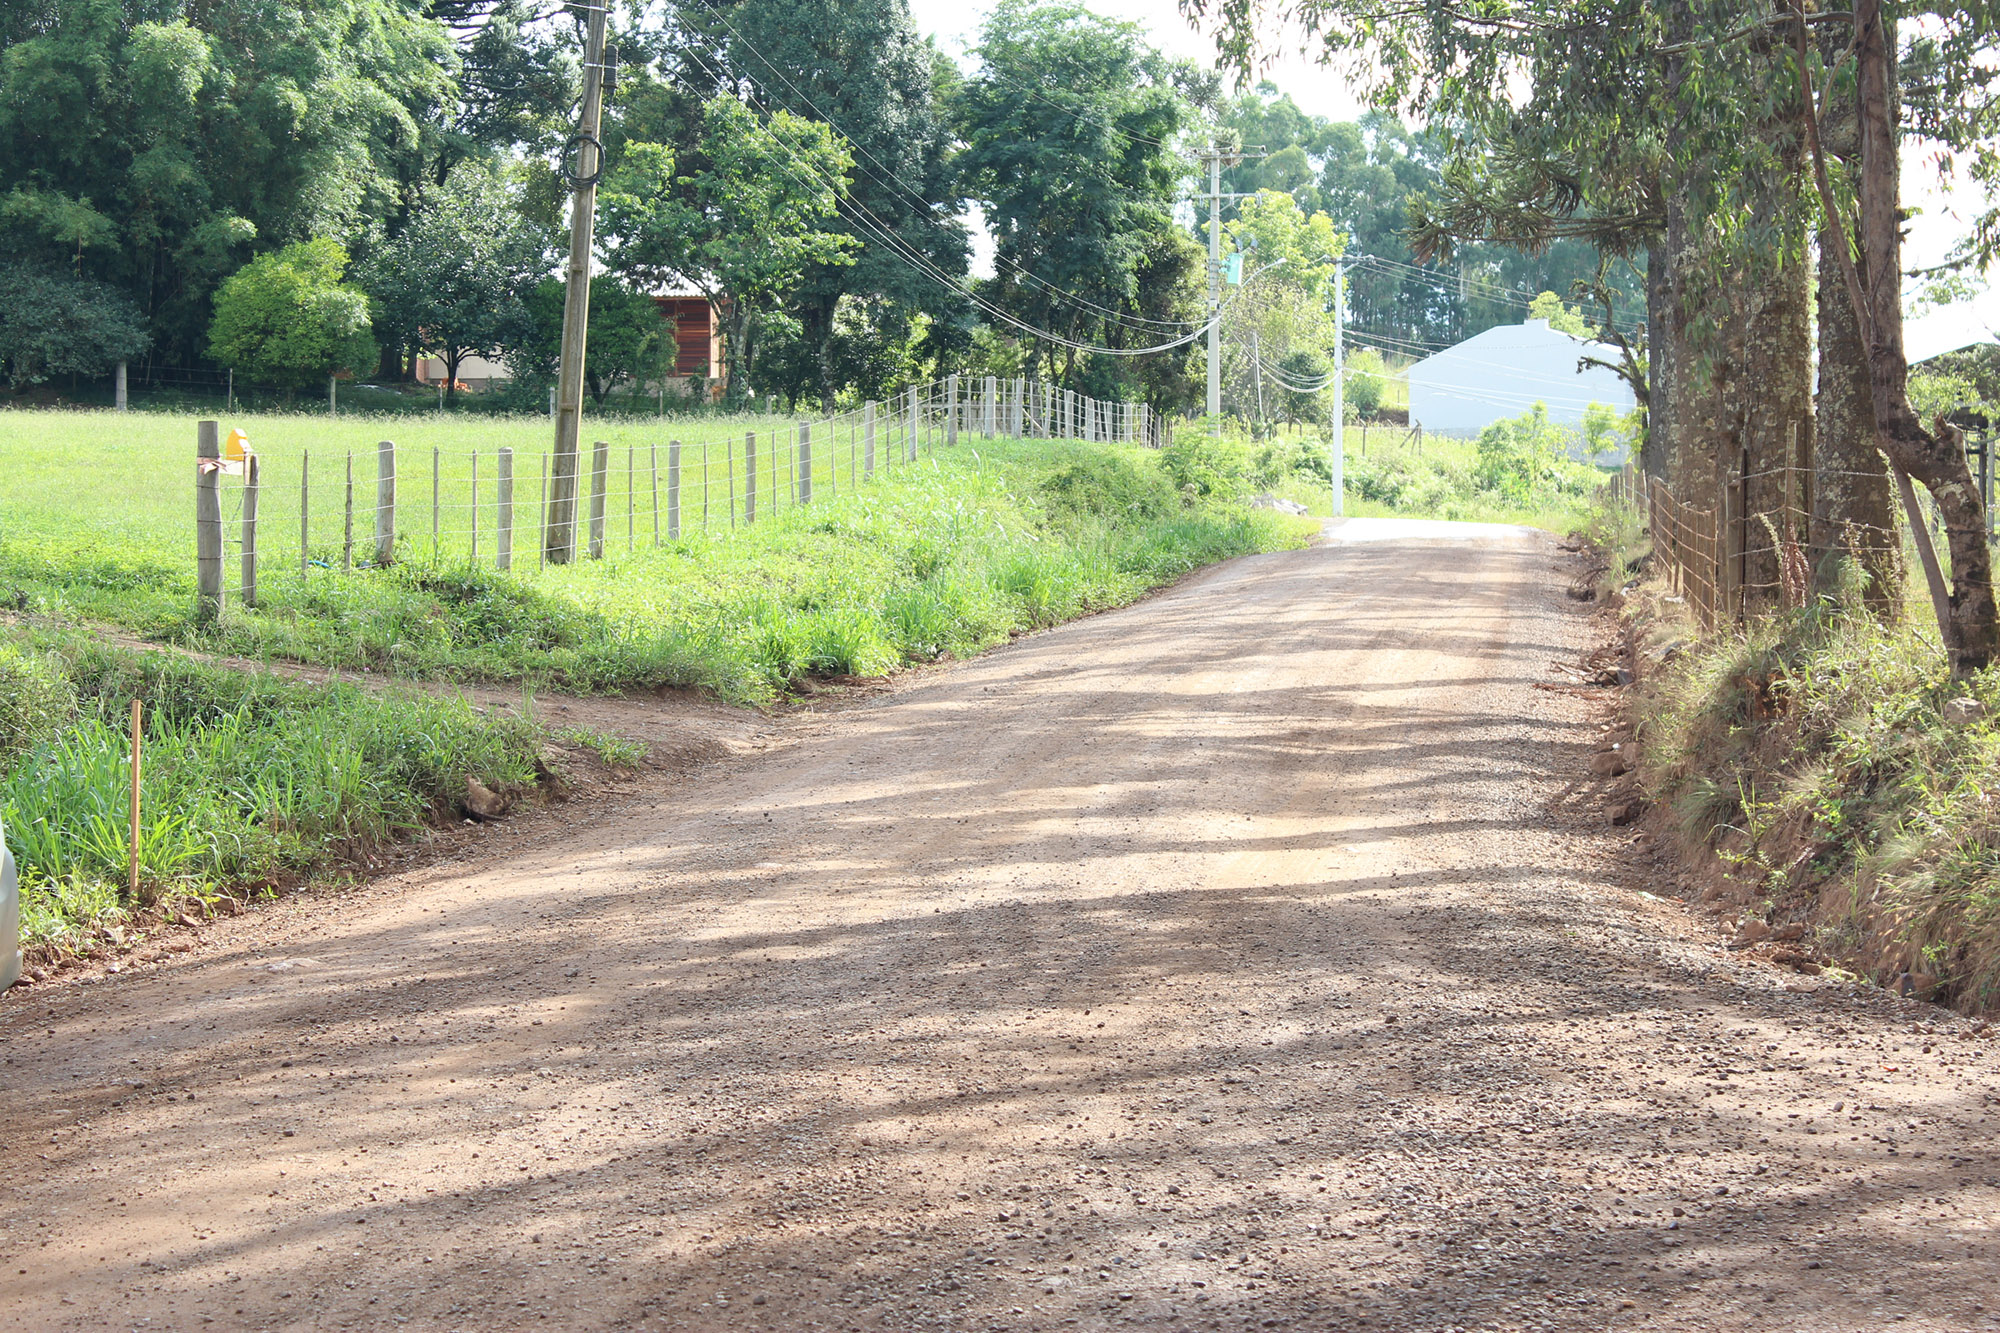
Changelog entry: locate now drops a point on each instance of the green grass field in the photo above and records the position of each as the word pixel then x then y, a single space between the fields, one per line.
pixel 922 558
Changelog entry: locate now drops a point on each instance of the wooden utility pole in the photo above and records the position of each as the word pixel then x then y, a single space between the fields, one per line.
pixel 560 529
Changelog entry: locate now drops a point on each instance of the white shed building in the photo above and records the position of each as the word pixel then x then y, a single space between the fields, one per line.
pixel 1505 371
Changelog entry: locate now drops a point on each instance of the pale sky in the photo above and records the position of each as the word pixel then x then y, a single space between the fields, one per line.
pixel 1326 92
pixel 956 24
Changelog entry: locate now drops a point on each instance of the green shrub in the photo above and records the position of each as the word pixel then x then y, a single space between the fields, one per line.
pixel 36 699
pixel 1108 485
pixel 1365 383
pixel 1202 467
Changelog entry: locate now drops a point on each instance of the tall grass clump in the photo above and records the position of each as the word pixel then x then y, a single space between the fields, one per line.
pixel 1832 759
pixel 247 779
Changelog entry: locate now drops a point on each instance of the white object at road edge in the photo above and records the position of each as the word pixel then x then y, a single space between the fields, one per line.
pixel 10 917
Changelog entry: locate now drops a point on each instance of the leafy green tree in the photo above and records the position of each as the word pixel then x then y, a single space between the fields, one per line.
pixel 453 283
pixel 149 145
pixel 1561 318
pixel 1288 244
pixel 862 67
pixel 1077 179
pixel 286 318
pixel 628 340
pixel 1366 380
pixel 1367 174
pixel 742 223
pixel 55 323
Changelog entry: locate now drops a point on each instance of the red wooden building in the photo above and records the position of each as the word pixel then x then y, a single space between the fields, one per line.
pixel 697 340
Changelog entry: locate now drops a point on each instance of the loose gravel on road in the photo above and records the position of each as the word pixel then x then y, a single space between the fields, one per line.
pixel 1252 957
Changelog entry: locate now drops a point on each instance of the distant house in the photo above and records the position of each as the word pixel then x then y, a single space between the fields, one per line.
pixel 698 350
pixel 697 340
pixel 1505 371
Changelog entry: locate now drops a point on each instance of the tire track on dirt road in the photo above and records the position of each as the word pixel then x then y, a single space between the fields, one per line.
pixel 1231 960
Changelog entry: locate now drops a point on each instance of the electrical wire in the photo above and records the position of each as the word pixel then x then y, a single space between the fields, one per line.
pixel 894 183
pixel 1397 268
pixel 873 225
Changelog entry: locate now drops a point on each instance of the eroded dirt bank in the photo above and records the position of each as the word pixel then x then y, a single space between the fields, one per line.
pixel 1240 959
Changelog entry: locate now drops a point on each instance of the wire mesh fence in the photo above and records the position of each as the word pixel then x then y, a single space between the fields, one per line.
pixel 1754 545
pixel 335 512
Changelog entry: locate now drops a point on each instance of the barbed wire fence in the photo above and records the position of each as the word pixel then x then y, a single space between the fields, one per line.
pixel 361 510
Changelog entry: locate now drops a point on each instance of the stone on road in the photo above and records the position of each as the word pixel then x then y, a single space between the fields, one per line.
pixel 1235 960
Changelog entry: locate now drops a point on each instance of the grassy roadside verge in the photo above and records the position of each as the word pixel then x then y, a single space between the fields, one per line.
pixel 1515 472
pixel 260 781
pixel 942 558
pixel 250 781
pixel 1837 782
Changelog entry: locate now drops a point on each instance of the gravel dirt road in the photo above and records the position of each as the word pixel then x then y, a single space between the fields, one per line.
pixel 1253 957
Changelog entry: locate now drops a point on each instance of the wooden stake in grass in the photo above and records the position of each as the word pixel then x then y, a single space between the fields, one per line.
pixel 208 521
pixel 305 513
pixel 749 482
pixel 600 471
pixel 138 712
pixel 249 543
pixel 475 506
pixel 805 463
pixel 673 494
pixel 503 537
pixel 631 489
pixel 347 522
pixel 542 546
pixel 385 503
pixel 653 465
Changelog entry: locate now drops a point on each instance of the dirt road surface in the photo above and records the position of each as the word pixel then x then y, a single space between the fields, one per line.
pixel 1244 959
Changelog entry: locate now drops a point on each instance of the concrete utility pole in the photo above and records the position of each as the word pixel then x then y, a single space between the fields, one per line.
pixel 1215 282
pixel 559 539
pixel 1337 453
pixel 1217 158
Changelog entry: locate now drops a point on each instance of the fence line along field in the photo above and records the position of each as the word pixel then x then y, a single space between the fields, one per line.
pixel 839 569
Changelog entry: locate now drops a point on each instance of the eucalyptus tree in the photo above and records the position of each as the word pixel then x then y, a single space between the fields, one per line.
pixel 1716 96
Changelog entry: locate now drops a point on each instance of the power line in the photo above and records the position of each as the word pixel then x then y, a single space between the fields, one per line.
pixel 922 263
pixel 893 182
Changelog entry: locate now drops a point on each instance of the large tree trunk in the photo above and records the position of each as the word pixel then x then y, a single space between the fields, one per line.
pixel 1661 343
pixel 1853 513
pixel 1777 427
pixel 1970 628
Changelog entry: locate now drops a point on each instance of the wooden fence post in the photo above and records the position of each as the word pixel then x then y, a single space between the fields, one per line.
pixel 915 411
pixel 992 421
pixel 868 438
pixel 673 490
pixel 503 533
pixel 347 520
pixel 600 473
pixel 750 477
pixel 385 502
pixel 434 502
pixel 951 409
pixel 631 494
pixel 653 467
pixel 475 506
pixel 542 516
pixel 805 463
pixel 208 521
pixel 251 480
pixel 305 513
